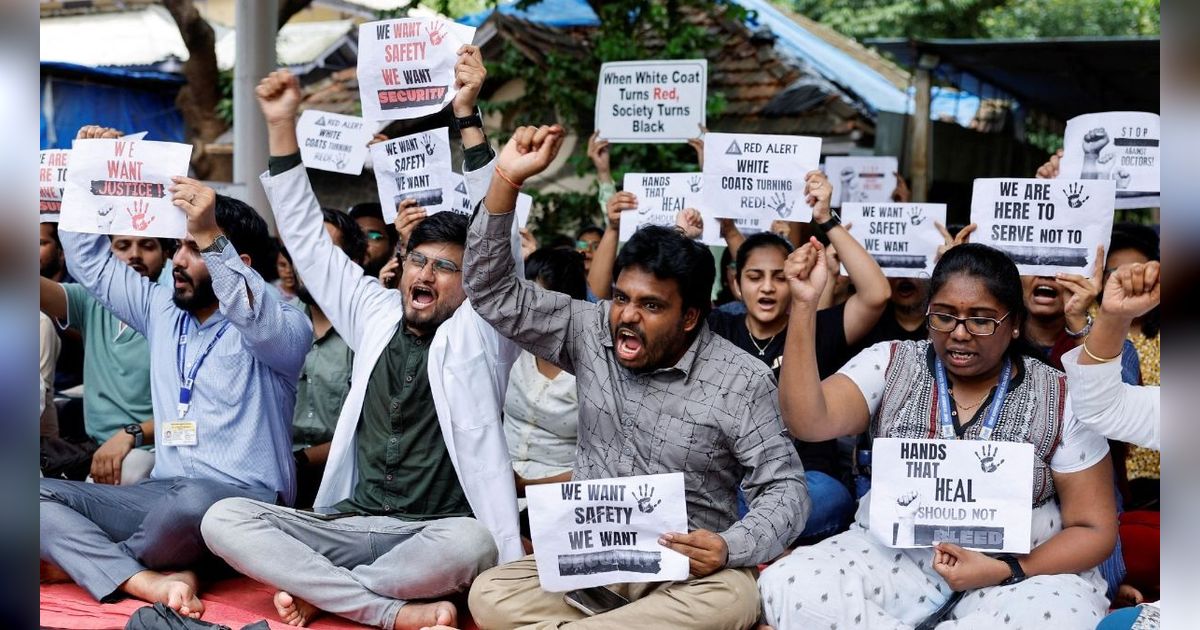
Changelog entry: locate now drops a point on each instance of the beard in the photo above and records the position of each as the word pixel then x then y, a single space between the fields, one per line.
pixel 657 353
pixel 426 322
pixel 201 296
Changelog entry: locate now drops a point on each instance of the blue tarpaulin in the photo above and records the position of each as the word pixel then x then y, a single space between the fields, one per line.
pixel 130 100
pixel 557 13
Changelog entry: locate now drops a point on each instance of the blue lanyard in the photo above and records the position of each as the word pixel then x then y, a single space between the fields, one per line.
pixel 993 413
pixel 186 383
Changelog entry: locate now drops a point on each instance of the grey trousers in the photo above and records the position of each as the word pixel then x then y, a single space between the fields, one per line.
pixel 102 535
pixel 363 568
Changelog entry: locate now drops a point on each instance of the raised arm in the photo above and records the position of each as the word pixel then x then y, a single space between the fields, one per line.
pixel 52 299
pixel 813 411
pixel 872 290
pixel 605 256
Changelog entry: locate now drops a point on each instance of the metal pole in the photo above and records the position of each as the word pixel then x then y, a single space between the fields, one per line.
pixel 254 59
pixel 921 144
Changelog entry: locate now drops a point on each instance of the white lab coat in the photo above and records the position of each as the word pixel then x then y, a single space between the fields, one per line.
pixel 468 362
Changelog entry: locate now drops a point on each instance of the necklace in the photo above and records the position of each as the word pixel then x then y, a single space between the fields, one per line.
pixel 972 405
pixel 762 350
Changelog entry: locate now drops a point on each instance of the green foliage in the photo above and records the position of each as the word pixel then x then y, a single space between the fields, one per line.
pixel 1072 18
pixel 225 105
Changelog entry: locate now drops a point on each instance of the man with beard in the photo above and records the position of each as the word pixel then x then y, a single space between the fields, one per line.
pixel 117 412
pixel 325 380
pixel 225 353
pixel 660 393
pixel 418 495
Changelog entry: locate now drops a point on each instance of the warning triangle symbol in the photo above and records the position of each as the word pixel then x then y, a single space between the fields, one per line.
pixel 321 121
pixel 733 149
pixel 461 188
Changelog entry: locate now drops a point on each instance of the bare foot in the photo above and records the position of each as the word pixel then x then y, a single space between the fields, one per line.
pixel 50 573
pixel 1127 596
pixel 294 611
pixel 176 590
pixel 420 616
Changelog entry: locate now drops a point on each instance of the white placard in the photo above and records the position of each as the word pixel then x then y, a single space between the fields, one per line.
pixel 52 177
pixel 1046 226
pixel 1121 146
pixel 758 176
pixel 660 197
pixel 861 179
pixel 461 201
pixel 118 186
pixel 973 493
pixel 605 531
pixel 230 189
pixel 406 66
pixel 417 166
pixel 901 237
pixel 651 101
pixel 333 142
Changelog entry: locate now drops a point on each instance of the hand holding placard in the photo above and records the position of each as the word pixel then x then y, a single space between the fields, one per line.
pixel 818 192
pixel 597 151
pixel 469 73
pixel 1082 291
pixel 618 203
pixel 706 551
pixel 963 236
pixel 409 215
pixel 199 202
pixel 690 223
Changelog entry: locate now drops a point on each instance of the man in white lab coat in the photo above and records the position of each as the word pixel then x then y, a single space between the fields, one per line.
pixel 418 495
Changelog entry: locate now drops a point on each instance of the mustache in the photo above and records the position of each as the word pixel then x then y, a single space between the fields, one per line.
pixel 633 329
pixel 179 274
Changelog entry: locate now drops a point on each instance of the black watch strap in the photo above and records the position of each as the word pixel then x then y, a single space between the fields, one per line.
pixel 301 458
pixel 834 221
pixel 135 429
pixel 466 122
pixel 1018 574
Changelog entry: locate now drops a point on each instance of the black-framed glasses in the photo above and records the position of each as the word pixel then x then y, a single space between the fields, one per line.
pixel 978 326
pixel 440 265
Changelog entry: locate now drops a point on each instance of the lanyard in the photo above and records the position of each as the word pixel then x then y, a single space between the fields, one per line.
pixel 993 412
pixel 186 383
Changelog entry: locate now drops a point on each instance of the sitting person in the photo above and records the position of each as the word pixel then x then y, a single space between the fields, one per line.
pixel 664 394
pixel 417 497
pixel 225 353
pixel 974 316
pixel 118 414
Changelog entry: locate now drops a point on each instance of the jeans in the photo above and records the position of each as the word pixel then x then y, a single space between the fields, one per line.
pixel 832 506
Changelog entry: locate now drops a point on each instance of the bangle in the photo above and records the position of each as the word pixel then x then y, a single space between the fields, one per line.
pixel 1099 359
pixel 1087 328
pixel 506 178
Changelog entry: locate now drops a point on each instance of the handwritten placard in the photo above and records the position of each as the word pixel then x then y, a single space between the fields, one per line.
pixel 406 66
pixel 975 494
pixel 756 176
pixel 651 101
pixel 119 186
pixel 901 237
pixel 1046 226
pixel 605 531
pixel 415 166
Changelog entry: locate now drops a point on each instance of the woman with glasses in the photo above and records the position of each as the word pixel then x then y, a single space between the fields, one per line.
pixel 975 348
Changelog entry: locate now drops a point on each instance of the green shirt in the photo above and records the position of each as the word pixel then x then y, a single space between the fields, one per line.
pixel 116 366
pixel 321 390
pixel 404 469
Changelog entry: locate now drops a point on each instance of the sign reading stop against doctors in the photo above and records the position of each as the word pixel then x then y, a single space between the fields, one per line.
pixel 651 101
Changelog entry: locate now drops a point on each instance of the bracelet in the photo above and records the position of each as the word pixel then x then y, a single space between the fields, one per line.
pixel 506 178
pixel 1087 328
pixel 1096 358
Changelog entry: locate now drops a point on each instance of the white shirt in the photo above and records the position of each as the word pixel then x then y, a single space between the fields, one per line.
pixel 1110 407
pixel 541 420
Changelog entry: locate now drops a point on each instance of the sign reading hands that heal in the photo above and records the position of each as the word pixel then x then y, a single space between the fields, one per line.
pixel 862 179
pixel 118 186
pixel 1046 226
pixel 660 197
pixel 605 531
pixel 416 166
pixel 333 142
pixel 406 66
pixel 52 177
pixel 973 493
pixel 1121 146
pixel 651 101
pixel 901 237
pixel 756 176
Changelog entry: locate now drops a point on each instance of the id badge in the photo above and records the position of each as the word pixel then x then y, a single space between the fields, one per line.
pixel 181 433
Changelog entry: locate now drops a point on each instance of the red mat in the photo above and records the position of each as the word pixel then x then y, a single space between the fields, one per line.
pixel 234 603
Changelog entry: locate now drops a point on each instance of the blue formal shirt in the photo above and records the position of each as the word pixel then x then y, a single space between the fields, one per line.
pixel 245 390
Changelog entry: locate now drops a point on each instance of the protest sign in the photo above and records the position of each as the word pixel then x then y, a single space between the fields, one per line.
pixel 651 101
pixel 52 176
pixel 861 179
pixel 901 237
pixel 406 66
pixel 461 202
pixel 973 493
pixel 118 186
pixel 605 531
pixel 757 176
pixel 660 197
pixel 416 166
pixel 333 142
pixel 1121 146
pixel 1046 226
pixel 230 189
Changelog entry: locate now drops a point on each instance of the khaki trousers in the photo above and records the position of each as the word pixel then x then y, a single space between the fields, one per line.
pixel 510 596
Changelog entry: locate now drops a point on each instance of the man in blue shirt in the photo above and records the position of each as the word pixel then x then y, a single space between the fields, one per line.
pixel 240 348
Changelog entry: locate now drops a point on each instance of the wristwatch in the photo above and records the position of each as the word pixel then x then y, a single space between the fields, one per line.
pixel 1018 574
pixel 474 120
pixel 834 221
pixel 217 246
pixel 301 458
pixel 135 430
pixel 1087 328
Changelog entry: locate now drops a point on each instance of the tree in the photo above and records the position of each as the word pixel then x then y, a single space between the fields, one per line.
pixel 199 98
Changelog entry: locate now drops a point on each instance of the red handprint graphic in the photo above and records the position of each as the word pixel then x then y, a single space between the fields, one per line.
pixel 437 32
pixel 137 215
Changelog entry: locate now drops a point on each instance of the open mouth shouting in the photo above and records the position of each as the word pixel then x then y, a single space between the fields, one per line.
pixel 421 297
pixel 960 357
pixel 906 288
pixel 630 344
pixel 1045 292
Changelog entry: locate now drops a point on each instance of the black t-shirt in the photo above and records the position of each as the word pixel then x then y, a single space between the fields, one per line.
pixel 888 329
pixel 831 348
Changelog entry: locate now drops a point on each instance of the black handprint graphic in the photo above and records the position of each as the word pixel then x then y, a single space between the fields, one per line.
pixel 987 458
pixel 694 183
pixel 644 496
pixel 916 216
pixel 427 141
pixel 1073 192
pixel 781 205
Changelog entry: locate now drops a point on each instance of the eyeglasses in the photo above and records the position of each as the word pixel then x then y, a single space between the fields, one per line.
pixel 440 265
pixel 375 236
pixel 978 326
pixel 585 246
